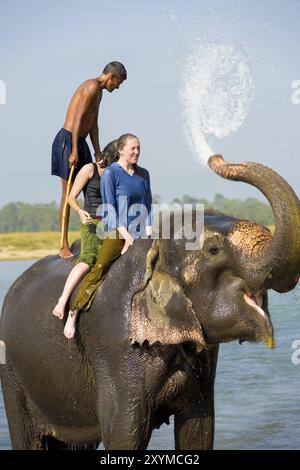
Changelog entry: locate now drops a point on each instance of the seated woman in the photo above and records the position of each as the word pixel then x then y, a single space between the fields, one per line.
pixel 123 181
pixel 88 181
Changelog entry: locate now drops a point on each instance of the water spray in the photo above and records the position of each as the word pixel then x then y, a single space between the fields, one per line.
pixel 217 92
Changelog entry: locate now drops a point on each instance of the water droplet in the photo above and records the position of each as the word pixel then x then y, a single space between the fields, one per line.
pixel 217 91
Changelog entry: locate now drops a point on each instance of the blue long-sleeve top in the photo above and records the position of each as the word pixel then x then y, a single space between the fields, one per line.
pixel 126 199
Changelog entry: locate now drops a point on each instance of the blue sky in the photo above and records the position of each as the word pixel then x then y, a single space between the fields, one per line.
pixel 48 48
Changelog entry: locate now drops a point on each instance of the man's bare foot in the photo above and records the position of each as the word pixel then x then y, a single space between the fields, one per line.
pixel 65 253
pixel 70 326
pixel 59 310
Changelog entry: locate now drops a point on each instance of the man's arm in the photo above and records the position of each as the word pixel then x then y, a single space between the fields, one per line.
pixel 88 94
pixel 94 135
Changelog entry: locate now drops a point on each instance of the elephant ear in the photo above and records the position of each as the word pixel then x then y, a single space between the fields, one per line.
pixel 162 313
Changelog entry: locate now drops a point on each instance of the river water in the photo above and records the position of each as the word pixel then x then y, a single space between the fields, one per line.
pixel 257 390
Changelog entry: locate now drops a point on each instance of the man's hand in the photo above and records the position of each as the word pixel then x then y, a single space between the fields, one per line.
pixel 128 242
pixel 85 217
pixel 73 159
pixel 98 156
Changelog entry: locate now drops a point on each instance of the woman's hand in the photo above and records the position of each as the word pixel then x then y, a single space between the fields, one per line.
pixel 85 217
pixel 128 242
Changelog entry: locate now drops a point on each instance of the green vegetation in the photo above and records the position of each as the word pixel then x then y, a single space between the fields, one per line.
pixel 31 245
pixel 34 240
pixel 250 208
pixel 25 217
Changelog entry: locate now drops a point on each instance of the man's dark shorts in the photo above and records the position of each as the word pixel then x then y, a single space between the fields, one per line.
pixel 61 151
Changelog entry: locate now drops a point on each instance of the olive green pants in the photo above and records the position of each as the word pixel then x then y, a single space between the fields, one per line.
pixel 89 245
pixel 109 251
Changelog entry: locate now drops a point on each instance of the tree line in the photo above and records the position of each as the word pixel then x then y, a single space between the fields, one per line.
pixel 25 217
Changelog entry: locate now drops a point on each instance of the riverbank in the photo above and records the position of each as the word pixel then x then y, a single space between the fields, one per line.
pixel 35 245
pixel 31 245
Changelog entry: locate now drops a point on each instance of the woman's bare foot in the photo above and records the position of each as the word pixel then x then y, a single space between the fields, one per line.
pixel 70 326
pixel 59 310
pixel 66 253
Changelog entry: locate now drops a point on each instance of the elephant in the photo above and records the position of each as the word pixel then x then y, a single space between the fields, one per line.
pixel 148 347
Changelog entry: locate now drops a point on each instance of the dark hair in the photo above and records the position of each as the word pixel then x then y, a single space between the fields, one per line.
pixel 110 154
pixel 121 143
pixel 117 69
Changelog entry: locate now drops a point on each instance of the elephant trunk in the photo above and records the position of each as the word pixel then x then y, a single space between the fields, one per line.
pixel 272 261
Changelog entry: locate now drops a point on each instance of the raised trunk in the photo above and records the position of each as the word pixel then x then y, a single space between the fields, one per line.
pixel 276 261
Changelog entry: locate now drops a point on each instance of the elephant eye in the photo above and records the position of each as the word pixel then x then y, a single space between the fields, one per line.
pixel 214 250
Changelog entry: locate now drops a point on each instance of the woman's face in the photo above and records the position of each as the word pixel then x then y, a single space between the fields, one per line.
pixel 131 151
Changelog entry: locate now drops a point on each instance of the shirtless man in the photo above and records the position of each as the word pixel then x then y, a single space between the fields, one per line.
pixel 69 146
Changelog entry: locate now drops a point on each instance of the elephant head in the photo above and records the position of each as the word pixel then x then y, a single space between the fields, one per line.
pixel 219 292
